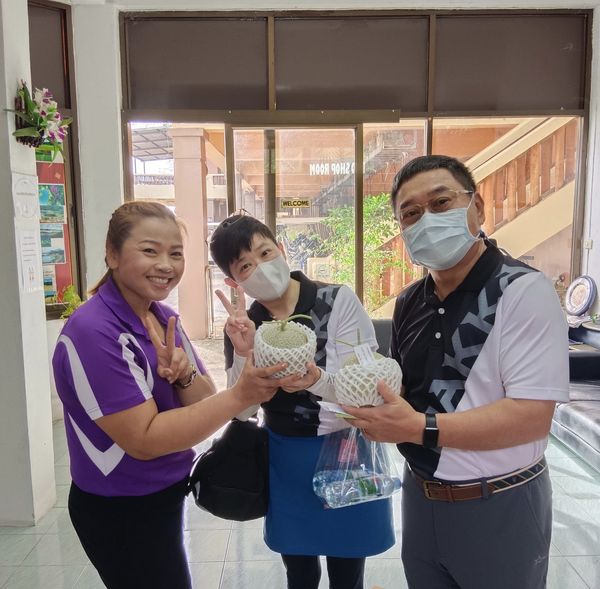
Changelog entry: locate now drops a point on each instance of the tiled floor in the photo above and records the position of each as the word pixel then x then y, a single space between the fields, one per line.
pixel 226 555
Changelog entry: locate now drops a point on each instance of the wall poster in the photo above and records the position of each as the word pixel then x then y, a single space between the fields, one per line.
pixel 54 226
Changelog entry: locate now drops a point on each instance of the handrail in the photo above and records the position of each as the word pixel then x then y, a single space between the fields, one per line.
pixel 533 174
pixel 543 169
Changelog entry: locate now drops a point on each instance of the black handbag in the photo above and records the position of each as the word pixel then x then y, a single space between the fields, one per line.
pixel 231 479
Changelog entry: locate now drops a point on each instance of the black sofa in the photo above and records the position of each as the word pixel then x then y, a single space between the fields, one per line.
pixel 383 333
pixel 577 422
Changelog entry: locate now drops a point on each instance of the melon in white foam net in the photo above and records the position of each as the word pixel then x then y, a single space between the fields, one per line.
pixel 356 383
pixel 285 341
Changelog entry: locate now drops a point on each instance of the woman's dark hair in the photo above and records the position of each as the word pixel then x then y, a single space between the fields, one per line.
pixel 122 222
pixel 426 163
pixel 234 236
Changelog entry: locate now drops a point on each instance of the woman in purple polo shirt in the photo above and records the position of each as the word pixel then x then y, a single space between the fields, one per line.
pixel 134 406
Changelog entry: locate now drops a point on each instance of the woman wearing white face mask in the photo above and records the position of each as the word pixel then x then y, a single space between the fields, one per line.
pixel 296 525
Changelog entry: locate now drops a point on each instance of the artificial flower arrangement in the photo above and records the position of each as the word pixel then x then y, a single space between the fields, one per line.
pixel 39 124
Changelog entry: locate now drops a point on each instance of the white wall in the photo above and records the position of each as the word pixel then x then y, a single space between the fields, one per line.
pixel 98 79
pixel 27 489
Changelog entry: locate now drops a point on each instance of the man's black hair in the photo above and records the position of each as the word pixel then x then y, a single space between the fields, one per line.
pixel 426 163
pixel 234 236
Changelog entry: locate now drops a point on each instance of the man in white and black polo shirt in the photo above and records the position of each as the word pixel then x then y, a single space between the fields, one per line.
pixel 482 342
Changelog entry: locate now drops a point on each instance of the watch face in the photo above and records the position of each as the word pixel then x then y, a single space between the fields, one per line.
pixel 580 295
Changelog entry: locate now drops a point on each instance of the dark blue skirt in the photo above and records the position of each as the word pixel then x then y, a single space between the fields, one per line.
pixel 297 522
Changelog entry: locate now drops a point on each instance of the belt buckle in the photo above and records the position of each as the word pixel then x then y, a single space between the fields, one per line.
pixel 427 485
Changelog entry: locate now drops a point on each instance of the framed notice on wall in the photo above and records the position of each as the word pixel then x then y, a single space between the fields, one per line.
pixel 54 227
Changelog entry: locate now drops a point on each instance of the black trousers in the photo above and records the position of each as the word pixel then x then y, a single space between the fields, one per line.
pixel 134 542
pixel 304 572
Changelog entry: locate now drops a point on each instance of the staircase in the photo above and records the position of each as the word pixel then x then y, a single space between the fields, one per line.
pixel 527 181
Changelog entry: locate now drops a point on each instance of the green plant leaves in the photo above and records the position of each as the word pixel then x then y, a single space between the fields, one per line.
pixel 26 132
pixel 378 228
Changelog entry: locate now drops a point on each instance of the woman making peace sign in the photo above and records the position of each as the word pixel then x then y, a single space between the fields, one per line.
pixel 136 399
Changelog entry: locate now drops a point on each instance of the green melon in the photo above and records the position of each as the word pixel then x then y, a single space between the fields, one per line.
pixel 284 334
pixel 285 341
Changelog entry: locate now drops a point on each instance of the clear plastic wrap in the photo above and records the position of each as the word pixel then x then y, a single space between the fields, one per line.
pixel 352 469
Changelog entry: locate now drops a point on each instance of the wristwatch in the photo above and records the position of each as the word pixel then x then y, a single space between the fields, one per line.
pixel 431 431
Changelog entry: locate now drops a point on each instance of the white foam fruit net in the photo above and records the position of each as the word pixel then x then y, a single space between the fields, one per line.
pixel 356 384
pixel 297 357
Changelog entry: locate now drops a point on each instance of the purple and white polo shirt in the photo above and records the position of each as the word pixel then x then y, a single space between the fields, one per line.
pixel 104 363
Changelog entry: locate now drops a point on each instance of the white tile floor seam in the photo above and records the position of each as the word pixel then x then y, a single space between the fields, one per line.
pixel 232 555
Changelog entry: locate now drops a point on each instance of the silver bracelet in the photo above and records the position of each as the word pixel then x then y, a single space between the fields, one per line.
pixel 189 380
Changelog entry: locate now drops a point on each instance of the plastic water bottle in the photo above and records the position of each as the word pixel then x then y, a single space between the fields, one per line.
pixel 340 488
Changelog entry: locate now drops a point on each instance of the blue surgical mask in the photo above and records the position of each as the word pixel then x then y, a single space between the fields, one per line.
pixel 439 241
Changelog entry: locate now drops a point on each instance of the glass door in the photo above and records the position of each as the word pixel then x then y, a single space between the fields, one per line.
pixel 301 183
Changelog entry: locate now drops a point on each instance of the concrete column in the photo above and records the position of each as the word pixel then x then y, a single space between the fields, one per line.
pixel 189 166
pixel 27 490
pixel 98 75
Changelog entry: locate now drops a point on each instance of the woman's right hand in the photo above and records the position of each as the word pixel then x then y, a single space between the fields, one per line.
pixel 239 327
pixel 257 385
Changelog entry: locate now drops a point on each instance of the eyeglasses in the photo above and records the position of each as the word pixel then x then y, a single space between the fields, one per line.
pixel 441 203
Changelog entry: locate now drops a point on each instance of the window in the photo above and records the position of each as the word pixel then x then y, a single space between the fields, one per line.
pixel 503 91
pixel 526 171
pixel 51 51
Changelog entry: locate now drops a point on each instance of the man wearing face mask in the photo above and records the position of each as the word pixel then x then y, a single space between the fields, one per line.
pixel 482 342
pixel 297 526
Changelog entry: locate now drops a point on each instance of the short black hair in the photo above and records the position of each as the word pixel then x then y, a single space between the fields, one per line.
pixel 234 236
pixel 426 163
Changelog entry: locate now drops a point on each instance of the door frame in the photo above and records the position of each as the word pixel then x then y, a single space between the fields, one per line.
pixel 270 181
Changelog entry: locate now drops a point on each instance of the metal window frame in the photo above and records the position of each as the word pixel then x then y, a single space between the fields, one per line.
pixel 72 163
pixel 270 117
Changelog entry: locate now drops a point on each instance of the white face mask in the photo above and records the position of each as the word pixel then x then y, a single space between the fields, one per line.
pixel 268 281
pixel 439 241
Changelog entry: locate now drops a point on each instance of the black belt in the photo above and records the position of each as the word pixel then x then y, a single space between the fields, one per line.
pixel 440 491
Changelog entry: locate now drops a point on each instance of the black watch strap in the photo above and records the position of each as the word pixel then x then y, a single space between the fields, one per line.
pixel 431 431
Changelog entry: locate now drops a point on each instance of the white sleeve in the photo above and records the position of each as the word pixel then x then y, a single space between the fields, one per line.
pixel 233 373
pixel 348 319
pixel 534 346
pixel 324 387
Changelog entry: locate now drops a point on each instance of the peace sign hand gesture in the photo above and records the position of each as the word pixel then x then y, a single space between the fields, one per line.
pixel 173 362
pixel 239 327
